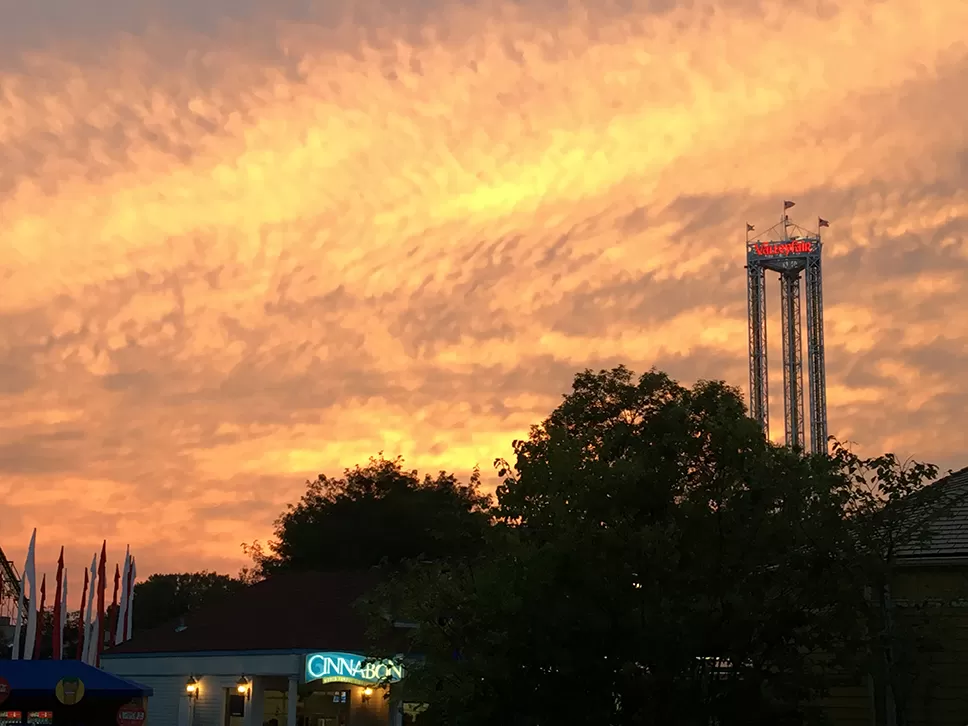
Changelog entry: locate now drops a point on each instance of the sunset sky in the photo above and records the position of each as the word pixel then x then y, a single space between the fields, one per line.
pixel 245 242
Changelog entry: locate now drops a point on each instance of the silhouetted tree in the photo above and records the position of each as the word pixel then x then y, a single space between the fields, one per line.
pixel 656 560
pixel 163 598
pixel 376 513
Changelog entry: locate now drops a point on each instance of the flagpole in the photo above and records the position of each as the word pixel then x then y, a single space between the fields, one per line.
pixel 56 634
pixel 62 622
pixel 89 619
pixel 40 617
pixel 129 620
pixel 115 608
pixel 123 605
pixel 101 613
pixel 81 621
pixel 30 571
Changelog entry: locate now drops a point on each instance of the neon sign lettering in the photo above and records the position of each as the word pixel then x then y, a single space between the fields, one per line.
pixel 783 248
pixel 349 668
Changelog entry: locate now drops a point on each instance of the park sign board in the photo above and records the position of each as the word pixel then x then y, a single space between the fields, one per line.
pixel 789 247
pixel 335 667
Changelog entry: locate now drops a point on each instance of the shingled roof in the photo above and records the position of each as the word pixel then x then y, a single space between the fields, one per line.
pixel 949 525
pixel 292 611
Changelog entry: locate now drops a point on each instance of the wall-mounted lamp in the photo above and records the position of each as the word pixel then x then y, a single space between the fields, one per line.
pixel 367 692
pixel 191 687
pixel 243 687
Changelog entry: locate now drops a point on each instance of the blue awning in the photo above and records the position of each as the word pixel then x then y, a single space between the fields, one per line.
pixel 35 677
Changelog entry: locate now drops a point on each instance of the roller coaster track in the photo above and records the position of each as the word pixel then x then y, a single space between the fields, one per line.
pixel 11 582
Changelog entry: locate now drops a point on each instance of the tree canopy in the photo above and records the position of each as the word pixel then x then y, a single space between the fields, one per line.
pixel 163 598
pixel 373 514
pixel 654 560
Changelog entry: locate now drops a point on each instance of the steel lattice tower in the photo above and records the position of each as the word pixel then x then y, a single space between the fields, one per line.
pixel 792 252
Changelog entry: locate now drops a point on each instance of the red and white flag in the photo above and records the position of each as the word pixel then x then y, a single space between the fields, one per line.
pixel 119 629
pixel 115 606
pixel 57 636
pixel 81 621
pixel 62 620
pixel 129 619
pixel 30 573
pixel 89 634
pixel 102 583
pixel 40 616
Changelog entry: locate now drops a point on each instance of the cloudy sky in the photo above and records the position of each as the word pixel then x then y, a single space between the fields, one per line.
pixel 245 241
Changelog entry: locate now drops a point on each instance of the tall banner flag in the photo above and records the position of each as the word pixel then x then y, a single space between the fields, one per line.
pixel 81 622
pixel 89 617
pixel 92 640
pixel 40 616
pixel 102 583
pixel 129 620
pixel 57 635
pixel 123 605
pixel 30 572
pixel 115 605
pixel 62 621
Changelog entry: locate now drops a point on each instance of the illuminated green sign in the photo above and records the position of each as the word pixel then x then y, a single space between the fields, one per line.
pixel 350 668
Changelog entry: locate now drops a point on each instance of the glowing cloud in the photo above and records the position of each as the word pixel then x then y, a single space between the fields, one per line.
pixel 241 250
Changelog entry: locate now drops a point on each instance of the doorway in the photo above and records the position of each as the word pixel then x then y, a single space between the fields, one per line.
pixel 234 708
pixel 328 706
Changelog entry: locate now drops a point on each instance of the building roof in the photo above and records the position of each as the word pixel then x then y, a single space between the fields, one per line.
pixel 297 611
pixel 41 676
pixel 948 511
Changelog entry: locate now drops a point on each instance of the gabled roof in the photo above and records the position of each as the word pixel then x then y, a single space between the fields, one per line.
pixel 297 611
pixel 41 676
pixel 949 520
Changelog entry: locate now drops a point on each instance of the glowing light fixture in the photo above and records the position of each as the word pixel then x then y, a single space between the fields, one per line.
pixel 243 686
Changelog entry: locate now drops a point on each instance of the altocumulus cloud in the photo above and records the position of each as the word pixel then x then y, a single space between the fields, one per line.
pixel 245 242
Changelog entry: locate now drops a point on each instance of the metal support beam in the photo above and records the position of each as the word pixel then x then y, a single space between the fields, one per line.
pixel 759 371
pixel 792 358
pixel 815 357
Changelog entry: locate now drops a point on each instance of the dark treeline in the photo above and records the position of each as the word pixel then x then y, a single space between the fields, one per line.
pixel 649 557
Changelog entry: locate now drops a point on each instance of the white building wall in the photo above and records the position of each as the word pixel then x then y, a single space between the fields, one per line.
pixel 167 676
pixel 163 704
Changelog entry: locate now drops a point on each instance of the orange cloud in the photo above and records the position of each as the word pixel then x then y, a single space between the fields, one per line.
pixel 250 242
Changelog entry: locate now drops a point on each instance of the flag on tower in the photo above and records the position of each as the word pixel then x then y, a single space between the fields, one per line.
pixel 30 572
pixel 787 205
pixel 821 222
pixel 57 635
pixel 749 227
pixel 40 616
pixel 81 621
